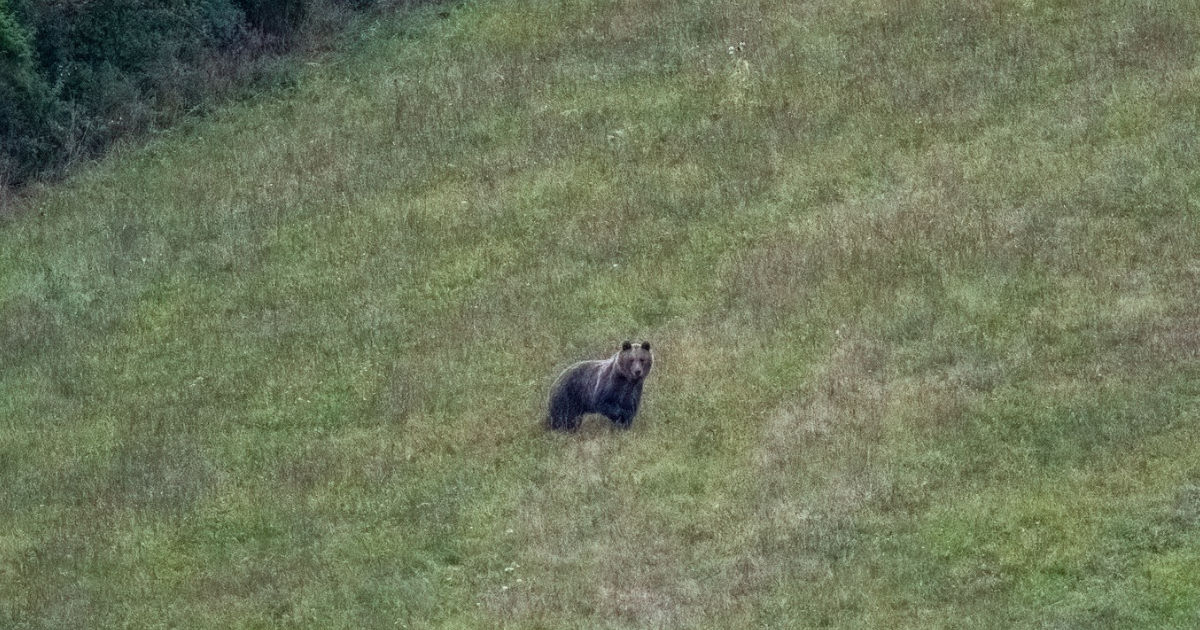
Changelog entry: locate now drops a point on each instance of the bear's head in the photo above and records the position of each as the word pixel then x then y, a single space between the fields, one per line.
pixel 634 360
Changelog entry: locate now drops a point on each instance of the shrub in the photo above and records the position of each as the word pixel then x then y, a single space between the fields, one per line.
pixel 275 17
pixel 26 108
pixel 73 76
pixel 76 75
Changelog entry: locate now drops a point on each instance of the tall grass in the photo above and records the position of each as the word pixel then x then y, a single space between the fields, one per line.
pixel 921 281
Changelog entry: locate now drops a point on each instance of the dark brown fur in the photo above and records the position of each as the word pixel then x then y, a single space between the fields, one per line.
pixel 612 387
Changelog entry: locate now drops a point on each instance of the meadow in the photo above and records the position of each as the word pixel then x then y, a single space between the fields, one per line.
pixel 921 280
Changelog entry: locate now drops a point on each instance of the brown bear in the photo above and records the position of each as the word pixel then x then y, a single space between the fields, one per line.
pixel 612 387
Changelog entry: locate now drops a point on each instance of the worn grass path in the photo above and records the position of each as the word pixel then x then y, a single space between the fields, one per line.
pixel 921 281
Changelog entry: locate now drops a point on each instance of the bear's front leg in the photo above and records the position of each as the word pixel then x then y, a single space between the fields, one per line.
pixel 564 422
pixel 623 418
pixel 612 411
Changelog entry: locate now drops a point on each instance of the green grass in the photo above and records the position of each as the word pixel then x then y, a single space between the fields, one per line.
pixel 921 280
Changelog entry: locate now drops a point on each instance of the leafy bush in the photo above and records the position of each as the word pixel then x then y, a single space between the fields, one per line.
pixel 105 60
pixel 276 17
pixel 26 108
pixel 76 75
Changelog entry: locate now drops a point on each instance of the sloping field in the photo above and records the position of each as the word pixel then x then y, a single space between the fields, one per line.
pixel 921 278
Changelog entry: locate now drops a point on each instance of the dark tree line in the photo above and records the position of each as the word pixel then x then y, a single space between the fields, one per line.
pixel 77 74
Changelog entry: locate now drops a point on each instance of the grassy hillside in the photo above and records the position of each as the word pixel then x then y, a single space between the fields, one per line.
pixel 921 280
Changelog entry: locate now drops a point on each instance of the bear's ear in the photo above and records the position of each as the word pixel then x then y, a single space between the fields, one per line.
pixel 645 345
pixel 628 345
